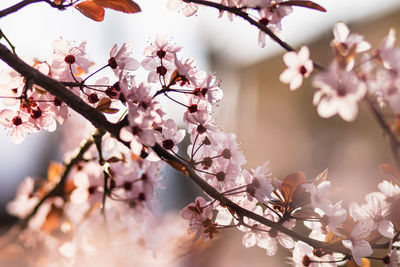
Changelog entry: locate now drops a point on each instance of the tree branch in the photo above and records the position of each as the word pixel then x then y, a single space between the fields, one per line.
pixel 99 121
pixel 17 7
pixel 245 16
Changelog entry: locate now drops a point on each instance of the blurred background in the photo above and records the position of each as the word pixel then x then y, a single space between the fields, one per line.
pixel 271 123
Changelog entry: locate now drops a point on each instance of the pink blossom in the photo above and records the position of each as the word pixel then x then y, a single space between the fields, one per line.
pixel 188 9
pixel 299 66
pixel 356 241
pixel 65 57
pixel 199 215
pixel 346 44
pixel 339 92
pixel 172 136
pixel 25 200
pixel 161 49
pixel 121 60
pixel 19 122
pixel 376 210
pixel 303 255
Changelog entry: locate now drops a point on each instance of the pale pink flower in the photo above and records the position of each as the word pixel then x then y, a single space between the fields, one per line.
pixel 303 255
pixel 357 244
pixel 209 89
pixel 188 73
pixel 24 201
pixel 161 49
pixel 19 122
pixel 346 44
pixel 389 189
pixel 172 136
pixel 199 215
pixel 387 52
pixel 65 57
pixel 188 9
pixel 299 66
pixel 320 194
pixel 158 70
pixel 339 92
pixel 122 59
pixel 376 210
pixel 258 183
pixel 255 233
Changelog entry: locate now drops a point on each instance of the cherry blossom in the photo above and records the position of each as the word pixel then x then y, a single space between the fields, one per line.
pixel 121 60
pixel 357 244
pixel 339 92
pixel 376 210
pixel 188 9
pixel 299 66
pixel 19 122
pixel 304 255
pixel 199 215
pixel 346 44
pixel 172 135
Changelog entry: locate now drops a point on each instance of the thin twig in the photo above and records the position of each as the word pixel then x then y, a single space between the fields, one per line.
pixel 245 16
pixel 394 143
pixel 2 35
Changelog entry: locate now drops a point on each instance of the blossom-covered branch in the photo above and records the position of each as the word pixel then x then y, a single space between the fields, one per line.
pixel 99 121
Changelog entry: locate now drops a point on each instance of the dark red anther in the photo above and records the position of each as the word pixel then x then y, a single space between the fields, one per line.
pixel 192 108
pixel 57 102
pixel 220 176
pixel 36 113
pixel 303 70
pixel 93 98
pixel 112 63
pixel 161 70
pixel 161 53
pixel 17 121
pixel 168 144
pixel 264 21
pixel 69 59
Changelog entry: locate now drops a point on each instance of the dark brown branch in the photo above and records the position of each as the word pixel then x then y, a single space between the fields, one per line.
pixel 245 16
pixel 17 7
pixel 99 121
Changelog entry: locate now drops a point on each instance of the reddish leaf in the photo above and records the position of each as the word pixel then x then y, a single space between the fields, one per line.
pixel 54 172
pixel 91 10
pixel 126 6
pixel 290 184
pixel 321 177
pixel 307 4
pixel 53 219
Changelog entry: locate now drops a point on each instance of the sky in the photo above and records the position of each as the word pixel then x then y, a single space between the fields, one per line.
pixel 33 29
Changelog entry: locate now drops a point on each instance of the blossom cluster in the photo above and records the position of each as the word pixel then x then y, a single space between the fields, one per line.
pixel 119 182
pixel 357 73
pixel 111 185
